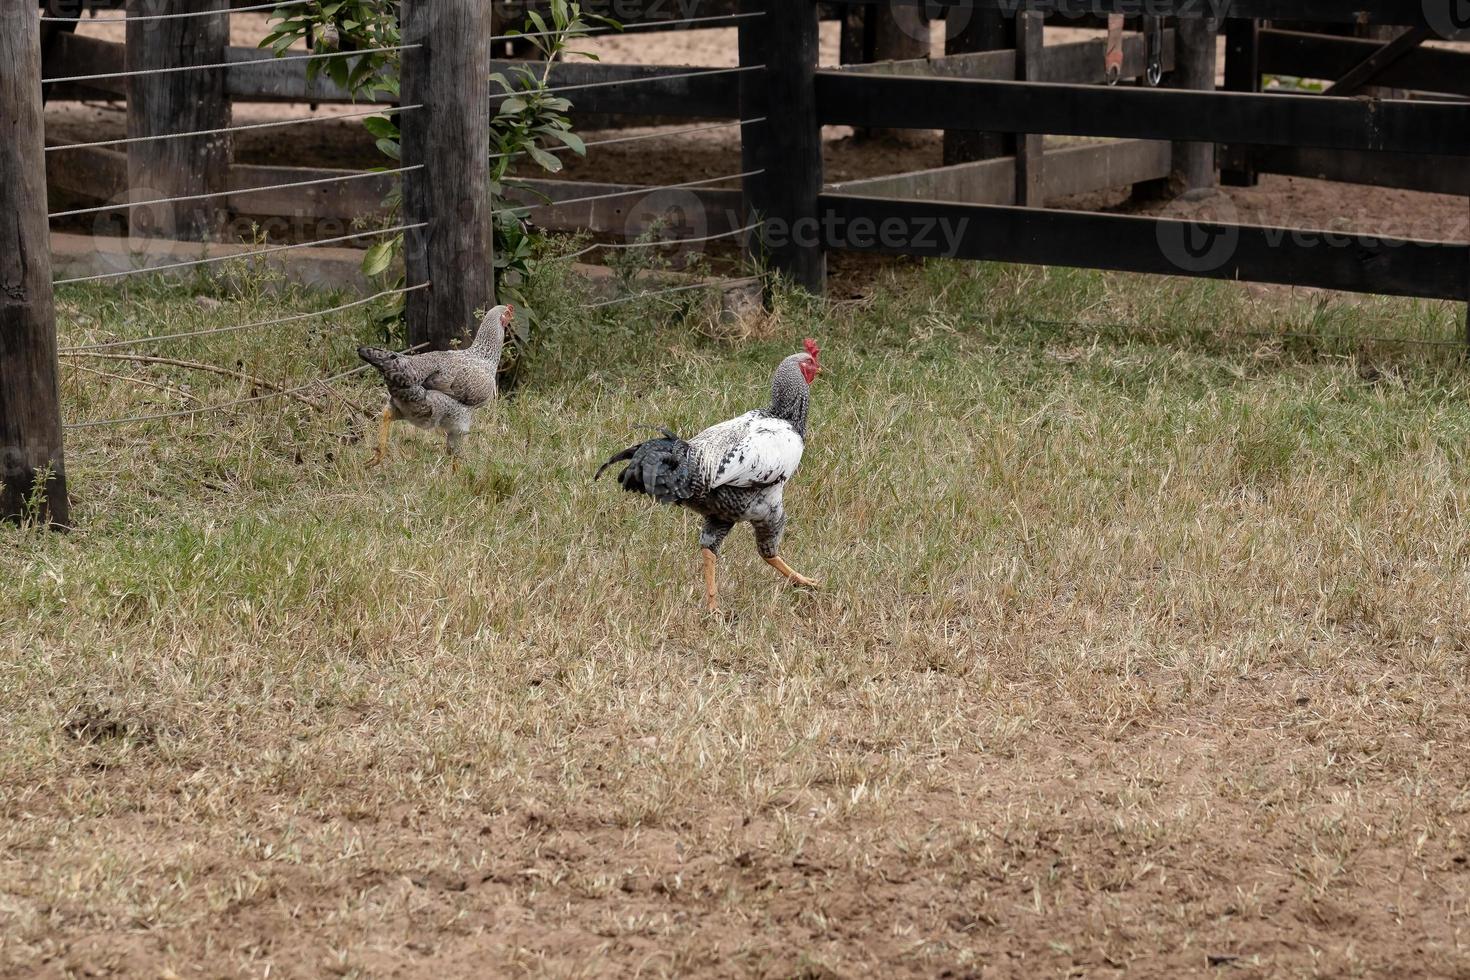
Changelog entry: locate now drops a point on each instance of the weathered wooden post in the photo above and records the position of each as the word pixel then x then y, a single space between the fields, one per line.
pixel 449 74
pixel 1194 68
pixel 1242 74
pixel 1030 147
pixel 178 102
pixel 31 465
pixel 787 146
pixel 895 32
pixel 985 30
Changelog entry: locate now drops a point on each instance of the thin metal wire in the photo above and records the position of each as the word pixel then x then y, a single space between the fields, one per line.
pixel 238 190
pixel 646 25
pixel 386 110
pixel 723 284
pixel 700 73
pixel 235 328
pixel 638 139
pixel 228 64
pixel 205 409
pixel 194 13
pixel 1230 332
pixel 239 255
pixel 645 191
pixel 661 243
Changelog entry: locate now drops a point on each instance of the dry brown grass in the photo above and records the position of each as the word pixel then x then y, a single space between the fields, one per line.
pixel 1138 653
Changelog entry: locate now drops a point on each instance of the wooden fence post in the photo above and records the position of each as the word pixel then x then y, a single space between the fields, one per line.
pixel 1242 74
pixel 1194 68
pixel 1030 147
pixel 897 32
pixel 450 139
pixel 787 146
pixel 30 395
pixel 986 30
pixel 178 102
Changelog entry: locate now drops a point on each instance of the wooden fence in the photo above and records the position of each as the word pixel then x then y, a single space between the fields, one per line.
pixel 990 199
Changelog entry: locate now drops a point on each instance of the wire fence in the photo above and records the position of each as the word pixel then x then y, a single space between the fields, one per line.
pixel 123 349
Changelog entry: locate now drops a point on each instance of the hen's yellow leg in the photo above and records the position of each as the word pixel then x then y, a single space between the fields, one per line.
pixel 384 424
pixel 709 579
pixel 792 576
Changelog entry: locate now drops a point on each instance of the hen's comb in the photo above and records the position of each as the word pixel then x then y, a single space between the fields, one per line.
pixel 811 347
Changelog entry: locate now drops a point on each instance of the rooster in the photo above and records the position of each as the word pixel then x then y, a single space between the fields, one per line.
pixel 439 390
pixel 735 471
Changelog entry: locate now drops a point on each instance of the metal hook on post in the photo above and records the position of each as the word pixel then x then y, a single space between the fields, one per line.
pixel 1155 72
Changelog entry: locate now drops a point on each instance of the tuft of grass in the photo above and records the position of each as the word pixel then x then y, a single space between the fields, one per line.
pixel 1139 645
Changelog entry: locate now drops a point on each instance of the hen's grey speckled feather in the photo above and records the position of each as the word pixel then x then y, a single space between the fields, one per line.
pixel 440 389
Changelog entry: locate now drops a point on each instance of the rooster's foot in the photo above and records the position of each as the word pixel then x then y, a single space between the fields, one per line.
pixel 711 594
pixel 792 576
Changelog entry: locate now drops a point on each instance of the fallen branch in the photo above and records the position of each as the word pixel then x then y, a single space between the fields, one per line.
pixel 197 366
pixel 142 381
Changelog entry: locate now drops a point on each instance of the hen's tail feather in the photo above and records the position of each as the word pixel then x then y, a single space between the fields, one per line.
pixel 659 467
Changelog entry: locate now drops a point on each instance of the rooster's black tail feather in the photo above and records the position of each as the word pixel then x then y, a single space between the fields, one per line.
pixel 659 467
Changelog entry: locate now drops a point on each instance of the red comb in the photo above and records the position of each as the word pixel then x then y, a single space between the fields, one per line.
pixel 811 347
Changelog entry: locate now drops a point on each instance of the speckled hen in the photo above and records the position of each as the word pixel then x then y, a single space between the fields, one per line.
pixel 439 390
pixel 733 472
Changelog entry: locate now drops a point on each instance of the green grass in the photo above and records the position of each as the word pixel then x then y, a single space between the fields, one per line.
pixel 1134 608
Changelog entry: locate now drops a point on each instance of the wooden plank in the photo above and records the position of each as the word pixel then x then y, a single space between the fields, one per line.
pixel 1078 62
pixel 71 54
pixel 92 172
pixel 849 99
pixel 1194 162
pixel 345 200
pixel 1306 55
pixel 1315 11
pixel 1030 148
pixel 1418 172
pixel 177 102
pixel 685 212
pixel 1242 74
pixel 448 139
pixel 1376 63
pixel 692 92
pixel 31 459
pixel 256 77
pixel 1069 171
pixel 1126 243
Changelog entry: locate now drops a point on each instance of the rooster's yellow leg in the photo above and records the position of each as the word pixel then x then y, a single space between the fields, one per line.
pixel 384 424
pixel 785 569
pixel 709 579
